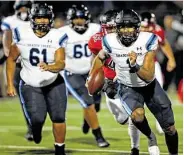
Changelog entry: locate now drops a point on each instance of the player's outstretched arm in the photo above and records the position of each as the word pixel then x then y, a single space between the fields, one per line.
pixel 59 63
pixel 10 69
pixel 168 52
pixel 7 40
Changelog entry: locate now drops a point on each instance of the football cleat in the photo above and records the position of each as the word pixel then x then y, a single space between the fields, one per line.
pixel 29 135
pixel 153 150
pixel 134 151
pixel 101 142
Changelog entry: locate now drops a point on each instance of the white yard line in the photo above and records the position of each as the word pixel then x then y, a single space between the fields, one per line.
pixel 71 128
pixel 70 149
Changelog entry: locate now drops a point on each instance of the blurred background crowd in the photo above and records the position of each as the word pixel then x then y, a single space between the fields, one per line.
pixel 169 15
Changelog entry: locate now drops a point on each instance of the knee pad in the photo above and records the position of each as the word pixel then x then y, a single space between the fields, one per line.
pixel 37 120
pixel 170 130
pixel 122 118
pixel 138 115
pixel 88 100
pixel 58 118
pixel 122 121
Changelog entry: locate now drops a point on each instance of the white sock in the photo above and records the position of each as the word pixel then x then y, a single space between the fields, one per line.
pixel 134 134
pixel 59 144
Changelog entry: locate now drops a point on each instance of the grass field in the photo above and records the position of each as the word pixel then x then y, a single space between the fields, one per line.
pixel 12 131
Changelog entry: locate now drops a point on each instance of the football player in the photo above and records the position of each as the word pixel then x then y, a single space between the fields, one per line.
pixel 107 21
pixel 8 24
pixel 148 24
pixel 42 88
pixel 78 63
pixel 133 53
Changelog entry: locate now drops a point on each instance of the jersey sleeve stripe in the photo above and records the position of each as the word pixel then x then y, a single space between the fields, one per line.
pixel 63 39
pixel 6 25
pixel 105 43
pixel 17 34
pixel 151 41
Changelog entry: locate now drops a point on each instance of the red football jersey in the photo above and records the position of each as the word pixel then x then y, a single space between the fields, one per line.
pixel 160 33
pixel 95 45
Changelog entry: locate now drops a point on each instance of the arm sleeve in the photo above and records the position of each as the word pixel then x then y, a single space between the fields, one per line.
pixel 105 45
pixel 62 41
pixel 152 43
pixel 16 35
pixel 5 25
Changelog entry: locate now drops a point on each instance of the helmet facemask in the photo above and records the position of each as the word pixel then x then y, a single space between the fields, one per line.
pixel 127 26
pixel 42 24
pixel 41 19
pixel 79 17
pixel 107 22
pixel 80 25
pixel 127 34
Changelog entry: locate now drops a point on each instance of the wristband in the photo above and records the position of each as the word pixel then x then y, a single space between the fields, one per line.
pixel 135 67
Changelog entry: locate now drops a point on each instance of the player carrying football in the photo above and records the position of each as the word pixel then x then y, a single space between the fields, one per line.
pixel 133 53
pixel 107 21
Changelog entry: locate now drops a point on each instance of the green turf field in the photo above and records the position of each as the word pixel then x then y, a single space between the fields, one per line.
pixel 12 130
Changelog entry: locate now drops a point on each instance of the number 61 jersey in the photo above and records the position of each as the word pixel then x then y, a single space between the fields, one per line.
pixel 34 50
pixel 78 55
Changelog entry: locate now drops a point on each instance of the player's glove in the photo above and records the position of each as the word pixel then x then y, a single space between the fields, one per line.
pixel 3 59
pixel 110 88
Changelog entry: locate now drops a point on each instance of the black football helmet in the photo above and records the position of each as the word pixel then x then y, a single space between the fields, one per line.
pixel 41 10
pixel 107 20
pixel 79 11
pixel 128 19
pixel 147 19
pixel 23 15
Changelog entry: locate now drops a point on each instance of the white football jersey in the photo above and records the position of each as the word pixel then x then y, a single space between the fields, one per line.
pixel 11 22
pixel 119 53
pixel 78 56
pixel 34 50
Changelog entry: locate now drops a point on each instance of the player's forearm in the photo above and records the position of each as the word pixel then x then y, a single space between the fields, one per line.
pixel 167 50
pixel 97 64
pixel 7 40
pixel 57 67
pixel 146 74
pixel 10 70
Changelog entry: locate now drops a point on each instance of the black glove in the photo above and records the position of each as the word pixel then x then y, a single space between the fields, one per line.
pixel 3 59
pixel 110 88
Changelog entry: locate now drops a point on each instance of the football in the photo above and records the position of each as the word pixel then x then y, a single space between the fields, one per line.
pixel 95 81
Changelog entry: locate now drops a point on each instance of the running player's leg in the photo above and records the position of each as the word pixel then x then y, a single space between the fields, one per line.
pixel 29 135
pixel 76 85
pixel 134 134
pixel 160 105
pixel 97 100
pixel 159 77
pixel 121 116
pixel 56 104
pixel 34 106
pixel 117 109
pixel 133 102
